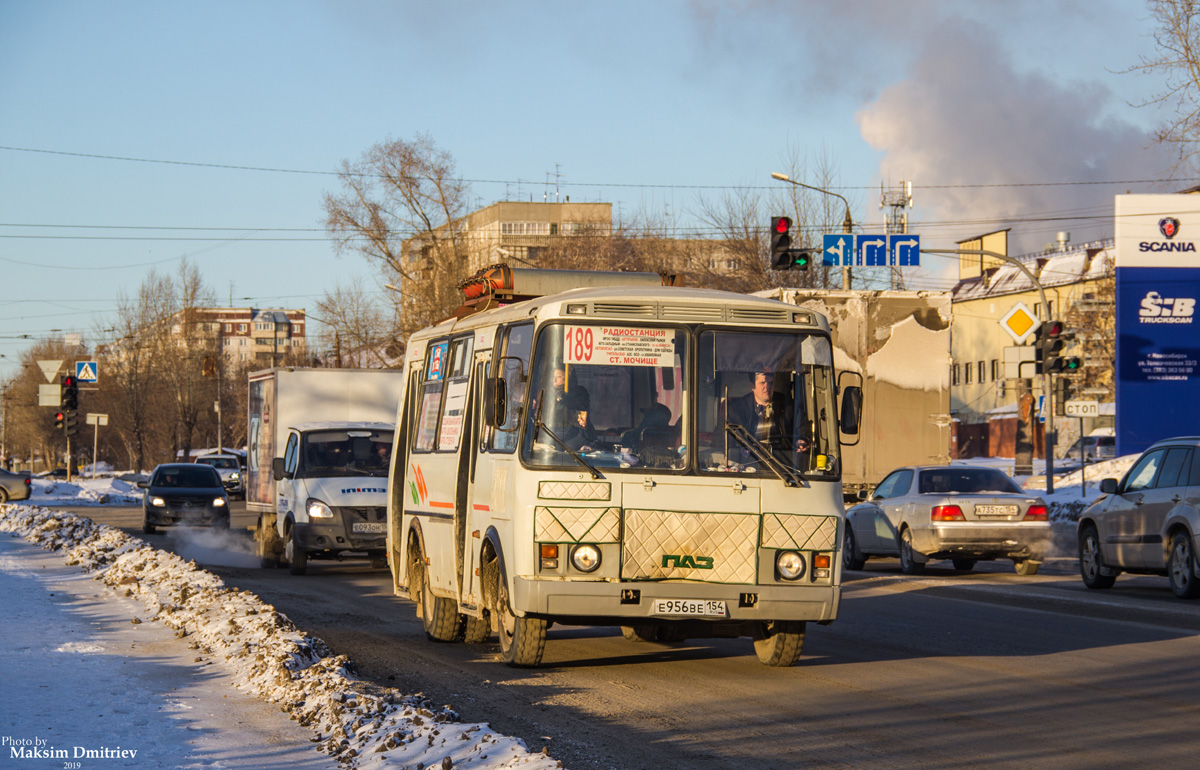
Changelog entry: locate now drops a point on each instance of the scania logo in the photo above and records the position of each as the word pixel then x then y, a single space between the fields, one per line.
pixel 1169 227
pixel 687 561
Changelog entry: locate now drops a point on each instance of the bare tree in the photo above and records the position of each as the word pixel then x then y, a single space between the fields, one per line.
pixel 1177 60
pixel 357 327
pixel 402 206
pixel 1095 323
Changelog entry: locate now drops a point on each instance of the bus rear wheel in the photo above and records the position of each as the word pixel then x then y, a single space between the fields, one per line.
pixel 438 614
pixel 522 640
pixel 779 643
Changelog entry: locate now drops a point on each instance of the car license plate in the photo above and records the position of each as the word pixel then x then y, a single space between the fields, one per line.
pixel 369 527
pixel 995 510
pixel 705 607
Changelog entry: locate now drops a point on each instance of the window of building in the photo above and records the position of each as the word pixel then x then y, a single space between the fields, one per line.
pixel 979 367
pixel 241 327
pixel 954 374
pixel 228 328
pixel 524 228
pixel 967 372
pixel 996 370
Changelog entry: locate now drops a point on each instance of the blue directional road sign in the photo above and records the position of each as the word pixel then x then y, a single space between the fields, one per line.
pixel 87 371
pixel 904 250
pixel 872 251
pixel 838 249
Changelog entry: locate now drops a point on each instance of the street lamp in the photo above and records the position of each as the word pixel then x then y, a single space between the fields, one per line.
pixel 847 224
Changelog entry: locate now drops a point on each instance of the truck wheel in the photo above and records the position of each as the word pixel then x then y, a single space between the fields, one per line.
pixel 264 540
pixel 296 556
pixel 522 640
pixel 779 642
pixel 640 633
pixel 439 614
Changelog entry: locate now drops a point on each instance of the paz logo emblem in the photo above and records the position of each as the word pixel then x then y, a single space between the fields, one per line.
pixel 1168 226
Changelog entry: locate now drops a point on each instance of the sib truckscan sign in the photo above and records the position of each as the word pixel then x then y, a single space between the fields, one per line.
pixel 1158 336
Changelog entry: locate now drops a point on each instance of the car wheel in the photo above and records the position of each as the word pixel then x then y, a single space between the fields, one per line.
pixel 1181 567
pixel 908 559
pixel 296 556
pixel 439 614
pixel 779 642
pixel 1091 561
pixel 963 565
pixel 148 528
pixel 522 640
pixel 222 522
pixel 851 557
pixel 1026 567
pixel 3 495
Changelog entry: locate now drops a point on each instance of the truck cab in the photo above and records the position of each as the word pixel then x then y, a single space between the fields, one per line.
pixel 331 492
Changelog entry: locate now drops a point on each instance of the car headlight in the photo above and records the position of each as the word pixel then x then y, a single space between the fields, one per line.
pixel 157 502
pixel 790 565
pixel 317 509
pixel 234 476
pixel 218 502
pixel 585 558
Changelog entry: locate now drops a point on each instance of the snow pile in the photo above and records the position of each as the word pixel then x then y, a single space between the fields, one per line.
pixel 1070 498
pixel 361 725
pixel 86 491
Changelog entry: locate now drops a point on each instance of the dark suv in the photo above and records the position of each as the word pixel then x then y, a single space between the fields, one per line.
pixel 1147 523
pixel 184 493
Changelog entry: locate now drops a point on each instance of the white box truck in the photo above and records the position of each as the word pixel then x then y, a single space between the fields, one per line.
pixel 320 448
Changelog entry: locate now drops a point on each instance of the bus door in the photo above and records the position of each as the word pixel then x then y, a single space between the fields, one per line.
pixel 432 477
pixel 494 465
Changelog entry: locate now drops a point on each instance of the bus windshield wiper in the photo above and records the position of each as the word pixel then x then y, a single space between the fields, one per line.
pixel 786 474
pixel 538 426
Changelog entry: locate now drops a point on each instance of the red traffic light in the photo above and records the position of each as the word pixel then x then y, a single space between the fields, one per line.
pixel 1054 329
pixel 782 224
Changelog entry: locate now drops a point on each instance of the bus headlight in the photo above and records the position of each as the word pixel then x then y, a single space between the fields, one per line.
pixel 790 565
pixel 317 509
pixel 585 558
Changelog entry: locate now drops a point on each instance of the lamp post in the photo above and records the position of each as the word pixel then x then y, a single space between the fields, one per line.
pixel 847 224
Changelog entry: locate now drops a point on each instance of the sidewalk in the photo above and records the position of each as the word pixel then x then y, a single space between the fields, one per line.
pixel 81 678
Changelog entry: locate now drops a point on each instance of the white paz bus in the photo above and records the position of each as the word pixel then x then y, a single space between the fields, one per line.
pixel 591 448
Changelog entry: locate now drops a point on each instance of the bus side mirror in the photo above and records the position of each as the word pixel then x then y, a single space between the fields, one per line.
pixel 850 413
pixel 495 401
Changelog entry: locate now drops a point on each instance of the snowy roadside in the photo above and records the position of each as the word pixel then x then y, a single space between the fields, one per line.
pixel 359 724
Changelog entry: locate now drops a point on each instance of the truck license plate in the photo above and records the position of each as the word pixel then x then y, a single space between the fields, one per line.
pixel 369 527
pixel 704 607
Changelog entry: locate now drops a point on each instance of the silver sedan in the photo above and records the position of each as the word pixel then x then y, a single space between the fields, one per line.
pixel 955 512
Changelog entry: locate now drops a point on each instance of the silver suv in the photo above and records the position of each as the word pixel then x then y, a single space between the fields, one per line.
pixel 1092 449
pixel 1147 523
pixel 229 469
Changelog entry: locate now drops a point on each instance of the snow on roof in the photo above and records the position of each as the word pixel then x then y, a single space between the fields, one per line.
pixel 902 362
pixel 1056 270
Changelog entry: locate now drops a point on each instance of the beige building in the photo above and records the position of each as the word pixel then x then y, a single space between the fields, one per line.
pixel 253 334
pixel 1078 283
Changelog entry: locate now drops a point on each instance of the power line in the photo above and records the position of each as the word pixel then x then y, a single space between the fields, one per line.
pixel 633 185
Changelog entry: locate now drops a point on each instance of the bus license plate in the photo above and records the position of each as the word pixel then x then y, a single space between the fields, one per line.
pixel 704 607
pixel 370 527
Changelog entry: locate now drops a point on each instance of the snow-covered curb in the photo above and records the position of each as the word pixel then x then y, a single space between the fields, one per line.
pixel 362 725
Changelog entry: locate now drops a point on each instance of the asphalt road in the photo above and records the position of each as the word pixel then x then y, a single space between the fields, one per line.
pixel 945 670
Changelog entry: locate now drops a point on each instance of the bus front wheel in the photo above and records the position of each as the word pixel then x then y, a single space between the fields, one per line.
pixel 779 642
pixel 522 640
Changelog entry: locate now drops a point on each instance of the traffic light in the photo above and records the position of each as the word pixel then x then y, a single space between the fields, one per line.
pixel 1064 391
pixel 70 423
pixel 781 243
pixel 70 393
pixel 1069 365
pixel 1049 343
pixel 59 420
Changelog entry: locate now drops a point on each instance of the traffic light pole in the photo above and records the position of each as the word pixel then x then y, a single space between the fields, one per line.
pixel 1050 433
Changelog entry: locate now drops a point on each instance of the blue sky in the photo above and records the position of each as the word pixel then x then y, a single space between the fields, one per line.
pixel 648 105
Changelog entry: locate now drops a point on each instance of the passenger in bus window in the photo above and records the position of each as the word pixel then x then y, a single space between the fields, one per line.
pixel 579 433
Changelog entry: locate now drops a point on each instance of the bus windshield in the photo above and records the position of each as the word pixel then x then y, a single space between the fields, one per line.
pixel 612 394
pixel 766 399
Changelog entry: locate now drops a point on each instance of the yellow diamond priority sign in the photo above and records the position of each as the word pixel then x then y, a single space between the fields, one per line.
pixel 1020 322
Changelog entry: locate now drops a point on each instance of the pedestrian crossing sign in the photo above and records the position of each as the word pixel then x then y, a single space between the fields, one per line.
pixel 86 371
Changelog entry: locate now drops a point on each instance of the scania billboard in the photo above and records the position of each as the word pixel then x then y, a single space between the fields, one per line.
pixel 1158 338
